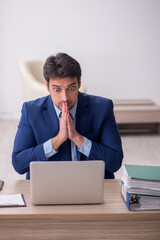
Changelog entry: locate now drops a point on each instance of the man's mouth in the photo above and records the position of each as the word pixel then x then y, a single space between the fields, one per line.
pixel 69 104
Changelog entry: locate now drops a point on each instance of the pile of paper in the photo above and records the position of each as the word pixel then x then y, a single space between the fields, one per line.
pixel 141 187
pixel 12 200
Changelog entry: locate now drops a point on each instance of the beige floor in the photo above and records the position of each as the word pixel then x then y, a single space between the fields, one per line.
pixel 138 149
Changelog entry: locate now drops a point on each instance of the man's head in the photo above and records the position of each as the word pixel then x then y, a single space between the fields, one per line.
pixel 63 79
pixel 61 66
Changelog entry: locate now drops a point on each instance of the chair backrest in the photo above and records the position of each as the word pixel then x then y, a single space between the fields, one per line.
pixel 33 82
pixel 33 70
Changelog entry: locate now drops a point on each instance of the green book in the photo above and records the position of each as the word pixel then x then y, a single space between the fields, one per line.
pixel 143 172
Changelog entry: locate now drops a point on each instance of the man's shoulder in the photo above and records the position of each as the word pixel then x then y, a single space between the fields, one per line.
pixel 93 99
pixel 36 104
pixel 97 106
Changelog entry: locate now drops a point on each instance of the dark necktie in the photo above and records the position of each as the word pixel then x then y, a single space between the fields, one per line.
pixel 65 149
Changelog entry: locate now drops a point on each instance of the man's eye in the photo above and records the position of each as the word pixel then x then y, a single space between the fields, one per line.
pixel 56 89
pixel 71 88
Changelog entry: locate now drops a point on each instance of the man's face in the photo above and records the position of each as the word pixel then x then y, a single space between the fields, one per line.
pixel 63 90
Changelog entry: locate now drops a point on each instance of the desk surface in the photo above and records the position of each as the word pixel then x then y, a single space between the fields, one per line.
pixel 110 220
pixel 113 205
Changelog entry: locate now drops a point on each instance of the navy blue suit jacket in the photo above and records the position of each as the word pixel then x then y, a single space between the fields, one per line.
pixel 94 120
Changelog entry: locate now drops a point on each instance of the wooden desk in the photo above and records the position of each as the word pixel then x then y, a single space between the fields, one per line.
pixel 110 220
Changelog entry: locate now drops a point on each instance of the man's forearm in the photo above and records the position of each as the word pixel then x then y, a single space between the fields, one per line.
pixel 21 158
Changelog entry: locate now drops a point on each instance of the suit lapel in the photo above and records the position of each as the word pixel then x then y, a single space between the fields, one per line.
pixel 51 117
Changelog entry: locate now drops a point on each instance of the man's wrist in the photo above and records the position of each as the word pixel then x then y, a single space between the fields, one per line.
pixel 49 151
pixel 78 140
pixel 57 141
pixel 86 147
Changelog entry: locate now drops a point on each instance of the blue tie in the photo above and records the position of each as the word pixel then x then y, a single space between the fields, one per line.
pixel 65 149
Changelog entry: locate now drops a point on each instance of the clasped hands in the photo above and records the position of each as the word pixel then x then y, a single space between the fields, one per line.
pixel 67 130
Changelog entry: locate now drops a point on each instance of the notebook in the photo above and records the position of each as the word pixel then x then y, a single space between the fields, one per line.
pixel 67 182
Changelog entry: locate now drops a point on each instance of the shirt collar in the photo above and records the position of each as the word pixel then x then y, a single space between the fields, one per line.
pixel 72 111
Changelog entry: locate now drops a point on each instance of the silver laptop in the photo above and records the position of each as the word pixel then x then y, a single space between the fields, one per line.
pixel 67 182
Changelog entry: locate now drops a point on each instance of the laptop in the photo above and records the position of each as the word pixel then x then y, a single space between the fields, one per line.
pixel 67 182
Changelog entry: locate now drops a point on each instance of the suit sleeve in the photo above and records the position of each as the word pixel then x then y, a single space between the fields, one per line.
pixel 25 149
pixel 109 147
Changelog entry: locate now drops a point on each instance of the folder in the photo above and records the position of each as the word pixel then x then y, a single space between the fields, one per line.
pixel 135 201
pixel 140 187
pixel 144 172
pixel 142 179
pixel 12 200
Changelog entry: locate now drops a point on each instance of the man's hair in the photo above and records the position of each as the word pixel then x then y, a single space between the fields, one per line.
pixel 61 66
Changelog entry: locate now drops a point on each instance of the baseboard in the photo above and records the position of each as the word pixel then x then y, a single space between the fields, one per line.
pixel 139 128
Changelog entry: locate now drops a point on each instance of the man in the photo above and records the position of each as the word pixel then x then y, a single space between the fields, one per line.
pixel 67 124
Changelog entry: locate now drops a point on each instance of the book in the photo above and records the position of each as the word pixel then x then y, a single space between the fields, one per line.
pixel 140 187
pixel 12 200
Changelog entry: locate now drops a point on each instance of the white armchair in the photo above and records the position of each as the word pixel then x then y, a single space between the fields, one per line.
pixel 33 82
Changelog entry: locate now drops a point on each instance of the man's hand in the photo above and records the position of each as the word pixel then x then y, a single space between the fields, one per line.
pixel 63 130
pixel 67 130
pixel 73 135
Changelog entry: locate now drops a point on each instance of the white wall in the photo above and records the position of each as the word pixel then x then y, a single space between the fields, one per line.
pixel 117 43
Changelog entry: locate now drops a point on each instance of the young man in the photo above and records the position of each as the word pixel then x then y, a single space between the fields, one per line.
pixel 67 125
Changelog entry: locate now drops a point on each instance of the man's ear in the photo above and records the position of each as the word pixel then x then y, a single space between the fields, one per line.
pixel 47 85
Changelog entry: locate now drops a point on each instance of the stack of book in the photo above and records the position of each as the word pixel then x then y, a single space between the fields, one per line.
pixel 140 187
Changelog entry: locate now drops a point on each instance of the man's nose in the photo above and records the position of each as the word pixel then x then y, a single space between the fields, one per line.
pixel 64 96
